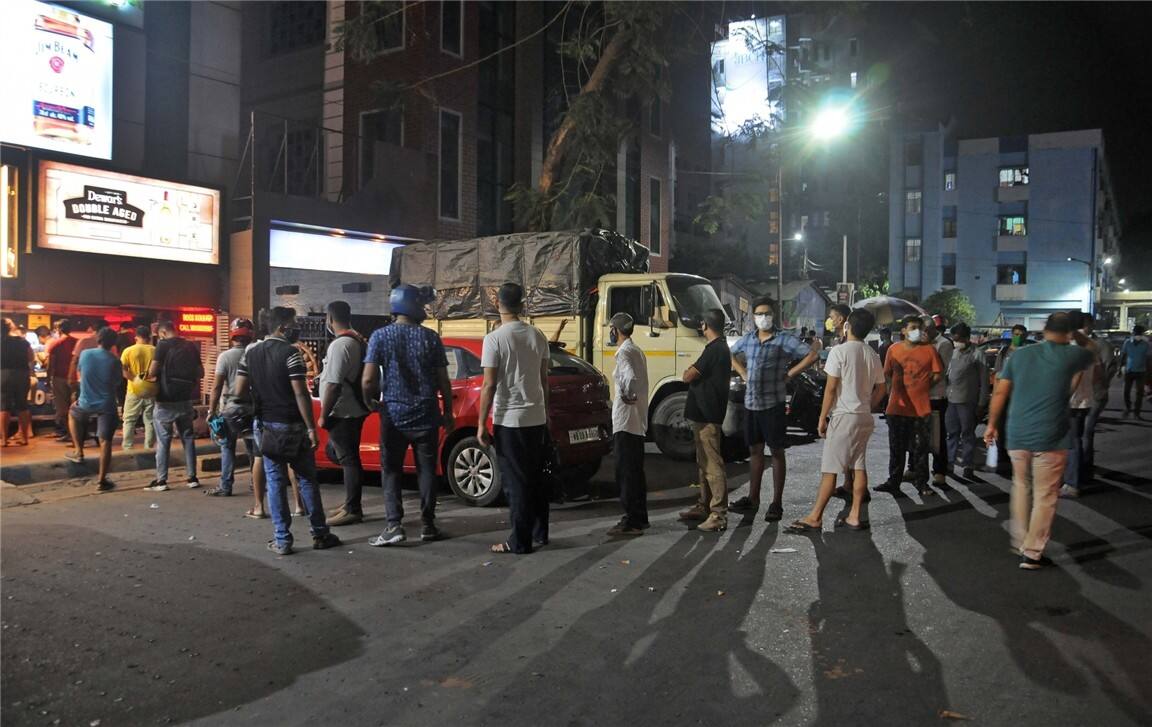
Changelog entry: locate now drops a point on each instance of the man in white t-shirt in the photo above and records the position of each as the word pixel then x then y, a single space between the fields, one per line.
pixel 854 389
pixel 515 390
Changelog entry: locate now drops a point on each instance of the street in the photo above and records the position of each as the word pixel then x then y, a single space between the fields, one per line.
pixel 141 608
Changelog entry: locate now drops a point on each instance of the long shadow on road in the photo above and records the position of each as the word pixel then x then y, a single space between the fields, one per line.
pixel 98 628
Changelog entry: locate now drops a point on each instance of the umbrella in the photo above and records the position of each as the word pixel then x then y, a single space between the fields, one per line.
pixel 889 310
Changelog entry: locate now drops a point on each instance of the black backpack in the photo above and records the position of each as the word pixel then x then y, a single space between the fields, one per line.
pixel 181 372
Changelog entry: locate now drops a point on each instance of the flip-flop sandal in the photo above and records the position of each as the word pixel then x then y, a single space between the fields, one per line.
pixel 843 523
pixel 501 548
pixel 801 527
pixel 254 516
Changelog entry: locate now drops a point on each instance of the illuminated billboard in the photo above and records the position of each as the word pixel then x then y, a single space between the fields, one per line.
pixel 336 251
pixel 89 210
pixel 748 76
pixel 57 79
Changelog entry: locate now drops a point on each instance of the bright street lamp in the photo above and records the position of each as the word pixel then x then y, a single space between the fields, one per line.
pixel 1108 260
pixel 830 123
pixel 798 237
pixel 1122 281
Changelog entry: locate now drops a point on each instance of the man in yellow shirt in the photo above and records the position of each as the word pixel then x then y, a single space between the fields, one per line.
pixel 140 400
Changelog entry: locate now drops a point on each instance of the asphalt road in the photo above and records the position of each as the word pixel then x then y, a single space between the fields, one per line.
pixel 154 608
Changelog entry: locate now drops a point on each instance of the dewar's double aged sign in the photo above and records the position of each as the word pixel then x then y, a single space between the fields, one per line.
pixel 92 210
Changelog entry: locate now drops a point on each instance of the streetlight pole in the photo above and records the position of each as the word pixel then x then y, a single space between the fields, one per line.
pixel 780 236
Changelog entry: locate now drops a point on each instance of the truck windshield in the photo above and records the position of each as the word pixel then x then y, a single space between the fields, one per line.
pixel 692 295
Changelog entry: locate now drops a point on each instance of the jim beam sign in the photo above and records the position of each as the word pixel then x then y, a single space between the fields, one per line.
pixel 100 204
pixel 96 211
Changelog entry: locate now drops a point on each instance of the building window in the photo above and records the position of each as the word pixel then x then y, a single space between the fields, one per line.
pixel 948 268
pixel 912 202
pixel 852 78
pixel 913 154
pixel 1012 273
pixel 1013 225
pixel 655 118
pixel 912 250
pixel 853 47
pixel 1013 176
pixel 452 27
pixel 654 242
pixel 450 146
pixel 385 126
pixel 388 23
pixel 495 114
pixel 949 227
pixel 295 25
pixel 632 191
pixel 949 181
pixel 775 27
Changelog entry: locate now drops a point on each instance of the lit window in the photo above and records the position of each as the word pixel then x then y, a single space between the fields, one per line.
pixel 912 250
pixel 775 27
pixel 853 77
pixel 1013 176
pixel 912 202
pixel 1013 225
pixel 949 181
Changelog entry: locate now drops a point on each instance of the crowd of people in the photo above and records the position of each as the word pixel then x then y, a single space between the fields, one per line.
pixel 1043 401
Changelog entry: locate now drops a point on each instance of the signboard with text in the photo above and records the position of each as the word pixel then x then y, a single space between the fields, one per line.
pixel 90 210
pixel 57 79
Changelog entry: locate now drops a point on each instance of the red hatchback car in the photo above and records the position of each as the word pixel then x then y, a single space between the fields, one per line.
pixel 580 423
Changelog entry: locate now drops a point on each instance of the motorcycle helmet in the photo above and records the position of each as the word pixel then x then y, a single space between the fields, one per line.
pixel 242 328
pixel 409 300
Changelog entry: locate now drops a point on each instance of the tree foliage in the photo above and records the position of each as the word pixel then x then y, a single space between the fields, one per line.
pixel 953 304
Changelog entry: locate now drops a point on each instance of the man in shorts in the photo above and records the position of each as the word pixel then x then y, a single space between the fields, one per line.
pixel 854 390
pixel 762 359
pixel 100 373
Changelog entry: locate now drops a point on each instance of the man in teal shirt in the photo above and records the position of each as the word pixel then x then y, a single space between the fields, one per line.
pixel 1134 359
pixel 1035 385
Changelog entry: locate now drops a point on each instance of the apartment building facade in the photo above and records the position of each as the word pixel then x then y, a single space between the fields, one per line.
pixel 1025 225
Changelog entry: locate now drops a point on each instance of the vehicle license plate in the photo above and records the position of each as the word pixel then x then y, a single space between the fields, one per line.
pixel 579 436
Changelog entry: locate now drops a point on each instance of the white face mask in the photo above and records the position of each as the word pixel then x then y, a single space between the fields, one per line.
pixel 961 345
pixel 763 321
pixel 915 335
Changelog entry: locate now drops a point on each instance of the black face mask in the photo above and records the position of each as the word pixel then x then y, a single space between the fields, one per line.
pixel 292 334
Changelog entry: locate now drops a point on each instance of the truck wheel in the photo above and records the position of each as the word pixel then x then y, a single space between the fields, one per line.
pixel 671 431
pixel 473 474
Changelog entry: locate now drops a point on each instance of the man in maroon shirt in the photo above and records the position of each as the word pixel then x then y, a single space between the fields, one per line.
pixel 59 362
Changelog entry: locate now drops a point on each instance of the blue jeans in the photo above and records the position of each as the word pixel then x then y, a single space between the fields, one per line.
pixel 170 415
pixel 961 424
pixel 394 445
pixel 228 460
pixel 276 471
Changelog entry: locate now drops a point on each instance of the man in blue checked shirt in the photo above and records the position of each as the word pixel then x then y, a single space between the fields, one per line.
pixel 761 358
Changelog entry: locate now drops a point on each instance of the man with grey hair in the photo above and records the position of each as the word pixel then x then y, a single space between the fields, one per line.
pixel 629 426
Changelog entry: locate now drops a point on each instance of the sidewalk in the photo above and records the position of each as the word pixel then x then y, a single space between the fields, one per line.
pixel 43 459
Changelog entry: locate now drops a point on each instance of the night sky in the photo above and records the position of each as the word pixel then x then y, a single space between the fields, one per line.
pixel 1013 68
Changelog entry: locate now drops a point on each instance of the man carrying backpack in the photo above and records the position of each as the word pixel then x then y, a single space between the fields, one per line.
pixel 342 408
pixel 176 367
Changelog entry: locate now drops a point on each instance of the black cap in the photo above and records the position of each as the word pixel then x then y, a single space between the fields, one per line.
pixel 511 296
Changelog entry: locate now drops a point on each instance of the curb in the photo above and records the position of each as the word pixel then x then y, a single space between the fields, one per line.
pixel 45 471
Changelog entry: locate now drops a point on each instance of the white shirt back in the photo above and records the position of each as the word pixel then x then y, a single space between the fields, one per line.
pixel 516 350
pixel 631 378
pixel 859 370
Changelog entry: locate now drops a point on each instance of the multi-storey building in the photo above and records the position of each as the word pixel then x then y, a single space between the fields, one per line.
pixel 1025 225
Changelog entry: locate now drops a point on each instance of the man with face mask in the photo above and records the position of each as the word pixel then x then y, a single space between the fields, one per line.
pixel 912 367
pixel 629 426
pixel 967 393
pixel 762 359
pixel 342 408
pixel 1134 361
pixel 939 398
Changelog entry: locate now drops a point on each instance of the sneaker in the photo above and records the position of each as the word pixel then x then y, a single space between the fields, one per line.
pixel 624 529
pixel 343 517
pixel 697 512
pixel 74 457
pixel 392 535
pixel 775 513
pixel 218 492
pixel 1069 492
pixel 938 479
pixel 192 483
pixel 325 541
pixel 280 548
pixel 429 533
pixel 1027 563
pixel 744 504
pixel 714 524
pixel 105 486
pixel 157 486
pixel 887 487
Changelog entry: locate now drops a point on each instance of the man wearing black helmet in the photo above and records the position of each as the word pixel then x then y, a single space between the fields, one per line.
pixel 405 378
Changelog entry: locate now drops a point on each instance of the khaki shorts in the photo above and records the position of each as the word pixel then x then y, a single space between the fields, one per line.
pixel 846 445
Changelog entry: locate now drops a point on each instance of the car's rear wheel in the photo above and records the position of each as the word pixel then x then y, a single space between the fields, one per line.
pixel 671 431
pixel 472 472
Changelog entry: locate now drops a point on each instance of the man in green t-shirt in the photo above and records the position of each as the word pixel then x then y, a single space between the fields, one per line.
pixel 1035 385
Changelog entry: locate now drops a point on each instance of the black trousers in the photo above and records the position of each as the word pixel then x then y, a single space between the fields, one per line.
pixel 940 457
pixel 1134 383
pixel 394 445
pixel 344 450
pixel 908 438
pixel 630 477
pixel 520 453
